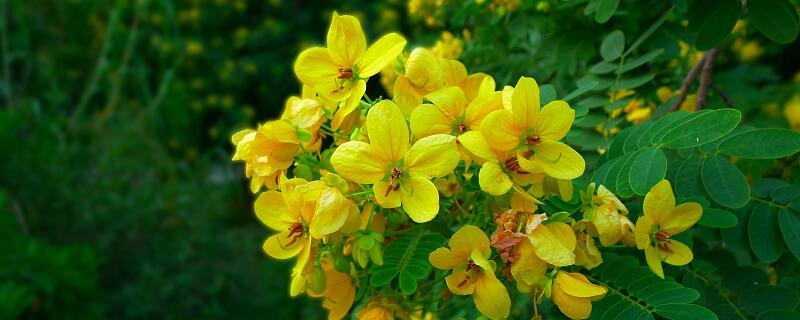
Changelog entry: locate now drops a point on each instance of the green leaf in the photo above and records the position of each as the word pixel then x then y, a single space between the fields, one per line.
pixel 763 188
pixel 717 218
pixel 407 282
pixel 764 298
pixel 603 67
pixel 771 143
pixel 785 194
pixel 636 62
pixel 605 9
pixel 664 125
pixel 701 128
pixel 741 278
pixel 405 257
pixel 649 168
pixel 613 46
pixel 779 315
pixel 716 20
pixel 623 184
pixel 547 93
pixel 635 82
pixel 688 180
pixel 725 183
pixel 647 33
pixel 736 238
pixel 776 19
pixel 682 311
pixel 789 223
pixel 584 86
pixel 765 234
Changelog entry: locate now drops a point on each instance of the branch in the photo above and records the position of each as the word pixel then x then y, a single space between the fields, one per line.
pixel 721 94
pixel 705 78
pixel 688 83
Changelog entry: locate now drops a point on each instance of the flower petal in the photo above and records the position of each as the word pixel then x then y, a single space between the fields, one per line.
pixel 450 101
pixel 422 69
pixel 468 238
pixel 331 213
pixel 421 203
pixel 479 259
pixel 679 254
pixel 478 84
pixel 683 217
pixel 476 144
pixel 357 161
pixel 552 245
pixel 529 269
pixel 386 200
pixel 277 246
pixel 406 95
pixel 482 106
pixel 576 285
pixel 572 307
pixel 555 159
pixel 490 296
pixel 459 284
pixel 493 180
pixel 501 130
pixel 453 72
pixel 443 258
pixel 387 130
pixel 525 102
pixel 554 121
pixel 271 209
pixel 432 156
pixel 608 225
pixel 346 40
pixel 380 54
pixel 314 66
pixel 427 120
pixel 653 258
pixel 659 202
pixel 352 101
pixel 642 232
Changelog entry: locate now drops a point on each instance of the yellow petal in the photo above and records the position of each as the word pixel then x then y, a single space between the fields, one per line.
pixel 482 106
pixel 679 254
pixel 432 156
pixel 273 212
pixel 357 161
pixel 555 159
pixel 522 203
pixel 525 102
pixel 477 84
pixel 576 285
pixel 387 130
pixel 683 217
pixel 553 245
pixel 490 296
pixel 458 283
pixel 346 40
pixel 340 294
pixel 608 226
pixel 653 258
pixel 390 200
pixel 352 101
pixel 420 199
pixel 507 93
pixel 476 144
pixel 450 101
pixel 427 120
pixel 444 259
pixel 572 307
pixel 468 238
pixel 659 202
pixel 493 180
pixel 555 120
pixel 453 72
pixel 331 213
pixel 406 95
pixel 423 69
pixel 529 269
pixel 479 259
pixel 642 232
pixel 314 66
pixel 278 247
pixel 501 130
pixel 380 54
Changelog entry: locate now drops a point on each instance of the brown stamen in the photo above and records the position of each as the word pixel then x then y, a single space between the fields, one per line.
pixel 345 73
pixel 295 233
pixel 533 140
pixel 461 128
pixel 662 235
pixel 395 174
pixel 512 164
pixel 663 246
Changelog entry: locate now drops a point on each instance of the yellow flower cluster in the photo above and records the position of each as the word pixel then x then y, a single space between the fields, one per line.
pixel 393 158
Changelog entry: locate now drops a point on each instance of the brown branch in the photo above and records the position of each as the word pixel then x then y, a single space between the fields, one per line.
pixel 721 94
pixel 688 83
pixel 705 78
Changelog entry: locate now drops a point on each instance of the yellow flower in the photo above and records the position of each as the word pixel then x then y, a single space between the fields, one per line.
pixel 532 133
pixel 422 75
pixel 400 174
pixel 689 104
pixel 473 273
pixel 381 308
pixel 528 270
pixel 586 253
pixel 448 46
pixel 573 294
pixel 339 292
pixel 500 169
pixel 792 112
pixel 455 74
pixel 553 242
pixel 266 152
pixel 340 71
pixel 604 211
pixel 662 220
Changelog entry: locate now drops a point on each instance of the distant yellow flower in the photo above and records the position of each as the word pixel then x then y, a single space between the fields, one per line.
pixel 533 133
pixel 662 220
pixel 399 172
pixel 340 71
pixel 473 273
pixel 448 46
pixel 689 104
pixel 792 112
pixel 573 294
pixel 748 50
pixel 193 48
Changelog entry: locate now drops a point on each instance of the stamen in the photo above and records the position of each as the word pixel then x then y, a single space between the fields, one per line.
pixel 533 140
pixel 512 164
pixel 345 73
pixel 662 235
pixel 462 127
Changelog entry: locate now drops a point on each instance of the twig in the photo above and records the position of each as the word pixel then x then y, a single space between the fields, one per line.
pixel 721 94
pixel 688 83
pixel 123 68
pixel 23 224
pixel 705 78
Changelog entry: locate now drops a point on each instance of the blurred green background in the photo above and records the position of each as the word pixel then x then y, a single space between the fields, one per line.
pixel 118 198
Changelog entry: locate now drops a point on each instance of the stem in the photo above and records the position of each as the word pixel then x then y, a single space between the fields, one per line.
pixel 705 78
pixel 688 83
pixel 123 68
pixel 721 94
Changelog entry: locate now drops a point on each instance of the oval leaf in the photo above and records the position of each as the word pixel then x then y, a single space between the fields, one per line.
pixel 765 234
pixel 647 170
pixel 776 19
pixel 725 183
pixel 717 218
pixel 702 128
pixel 769 143
pixel 613 46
